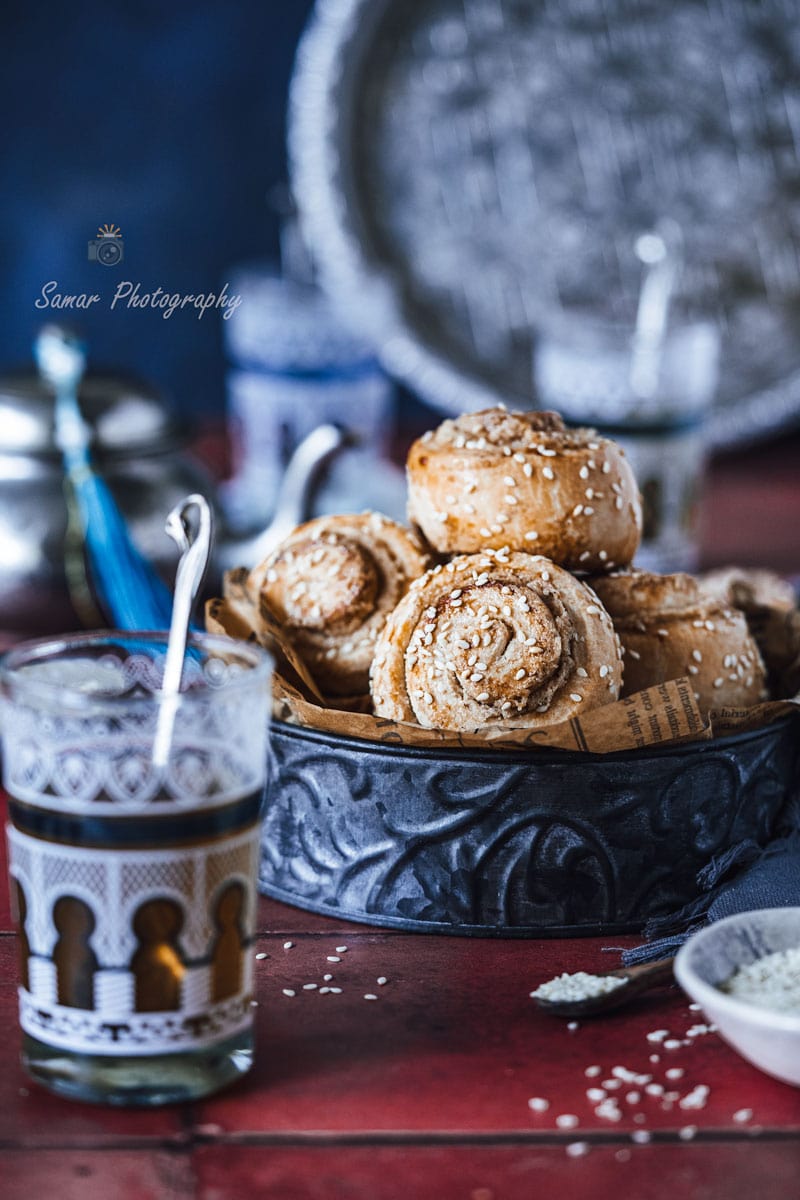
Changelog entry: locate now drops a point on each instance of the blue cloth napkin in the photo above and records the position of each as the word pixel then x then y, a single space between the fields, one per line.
pixel 744 878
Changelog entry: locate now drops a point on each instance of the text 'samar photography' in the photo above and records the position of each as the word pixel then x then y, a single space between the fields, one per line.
pixel 107 249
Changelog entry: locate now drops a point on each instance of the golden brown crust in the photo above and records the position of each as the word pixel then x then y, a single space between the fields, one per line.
pixel 770 608
pixel 331 585
pixel 749 588
pixel 669 628
pixel 522 480
pixel 495 638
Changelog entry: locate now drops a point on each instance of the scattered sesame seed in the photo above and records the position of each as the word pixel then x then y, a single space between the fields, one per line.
pixel 309 987
pixel 687 1133
pixel 657 1035
pixel 743 1114
pixel 341 949
pixel 575 697
pixel 538 1104
pixel 548 472
pixel 581 672
pixel 288 945
pixel 697 656
pixel 641 1137
pixel 370 996
pixel 604 671
pixel 482 697
pixel 696 1098
pixel 566 1121
pixel 577 510
pixel 674 1073
pixel 509 481
pixel 593 1071
pixel 573 1025
pixel 289 992
pixel 327 978
pixel 622 1156
pixel 633 1097
pixel 261 955
pixel 584 472
pixel 595 1094
pixel 334 958
pixel 608 1110
pixel 381 980
pixel 593 610
pixel 672 1044
pixel 576 1149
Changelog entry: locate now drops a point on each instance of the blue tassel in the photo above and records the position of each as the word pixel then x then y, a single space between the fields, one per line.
pixel 132 594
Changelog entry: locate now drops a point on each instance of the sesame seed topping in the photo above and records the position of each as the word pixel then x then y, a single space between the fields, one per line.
pixel 593 610
pixel 575 697
pixel 548 472
pixel 582 673
pixel 577 510
pixel 604 671
pixel 584 472
pixel 697 656
pixel 521 673
pixel 509 481
pixel 482 697
pixel 531 535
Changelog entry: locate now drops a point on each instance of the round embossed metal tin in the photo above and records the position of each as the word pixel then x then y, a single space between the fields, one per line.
pixel 513 844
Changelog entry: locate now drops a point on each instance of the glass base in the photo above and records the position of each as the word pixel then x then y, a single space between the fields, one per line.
pixel 141 1081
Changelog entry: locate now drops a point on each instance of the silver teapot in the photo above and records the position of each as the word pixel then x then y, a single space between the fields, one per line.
pixel 140 450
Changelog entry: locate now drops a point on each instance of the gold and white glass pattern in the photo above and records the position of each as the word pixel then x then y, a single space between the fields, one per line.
pixel 134 886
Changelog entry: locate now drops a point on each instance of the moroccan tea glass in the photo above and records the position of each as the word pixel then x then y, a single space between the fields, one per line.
pixel 134 883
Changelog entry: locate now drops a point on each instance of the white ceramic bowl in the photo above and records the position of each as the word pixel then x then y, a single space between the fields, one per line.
pixel 770 1040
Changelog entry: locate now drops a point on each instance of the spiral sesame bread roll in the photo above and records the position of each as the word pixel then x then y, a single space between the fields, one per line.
pixel 331 584
pixel 669 628
pixel 495 638
pixel 522 480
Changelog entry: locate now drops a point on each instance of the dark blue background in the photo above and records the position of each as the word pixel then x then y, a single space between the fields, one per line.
pixel 164 118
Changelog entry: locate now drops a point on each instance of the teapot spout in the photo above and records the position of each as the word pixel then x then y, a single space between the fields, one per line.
pixel 294 497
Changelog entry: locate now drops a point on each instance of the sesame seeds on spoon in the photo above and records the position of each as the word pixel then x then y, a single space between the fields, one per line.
pixel 586 995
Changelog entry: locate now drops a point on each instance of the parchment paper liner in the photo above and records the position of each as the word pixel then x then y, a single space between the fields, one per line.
pixel 666 714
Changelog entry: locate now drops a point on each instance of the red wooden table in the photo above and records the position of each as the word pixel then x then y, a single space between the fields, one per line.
pixel 424 1092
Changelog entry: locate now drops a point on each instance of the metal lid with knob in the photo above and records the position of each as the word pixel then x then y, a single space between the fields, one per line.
pixel 127 417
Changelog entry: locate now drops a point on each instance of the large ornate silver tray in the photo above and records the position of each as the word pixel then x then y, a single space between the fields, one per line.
pixel 466 167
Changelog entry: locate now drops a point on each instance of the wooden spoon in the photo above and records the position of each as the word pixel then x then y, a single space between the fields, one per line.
pixel 637 980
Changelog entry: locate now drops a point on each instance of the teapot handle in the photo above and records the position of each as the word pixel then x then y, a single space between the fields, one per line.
pixel 294 496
